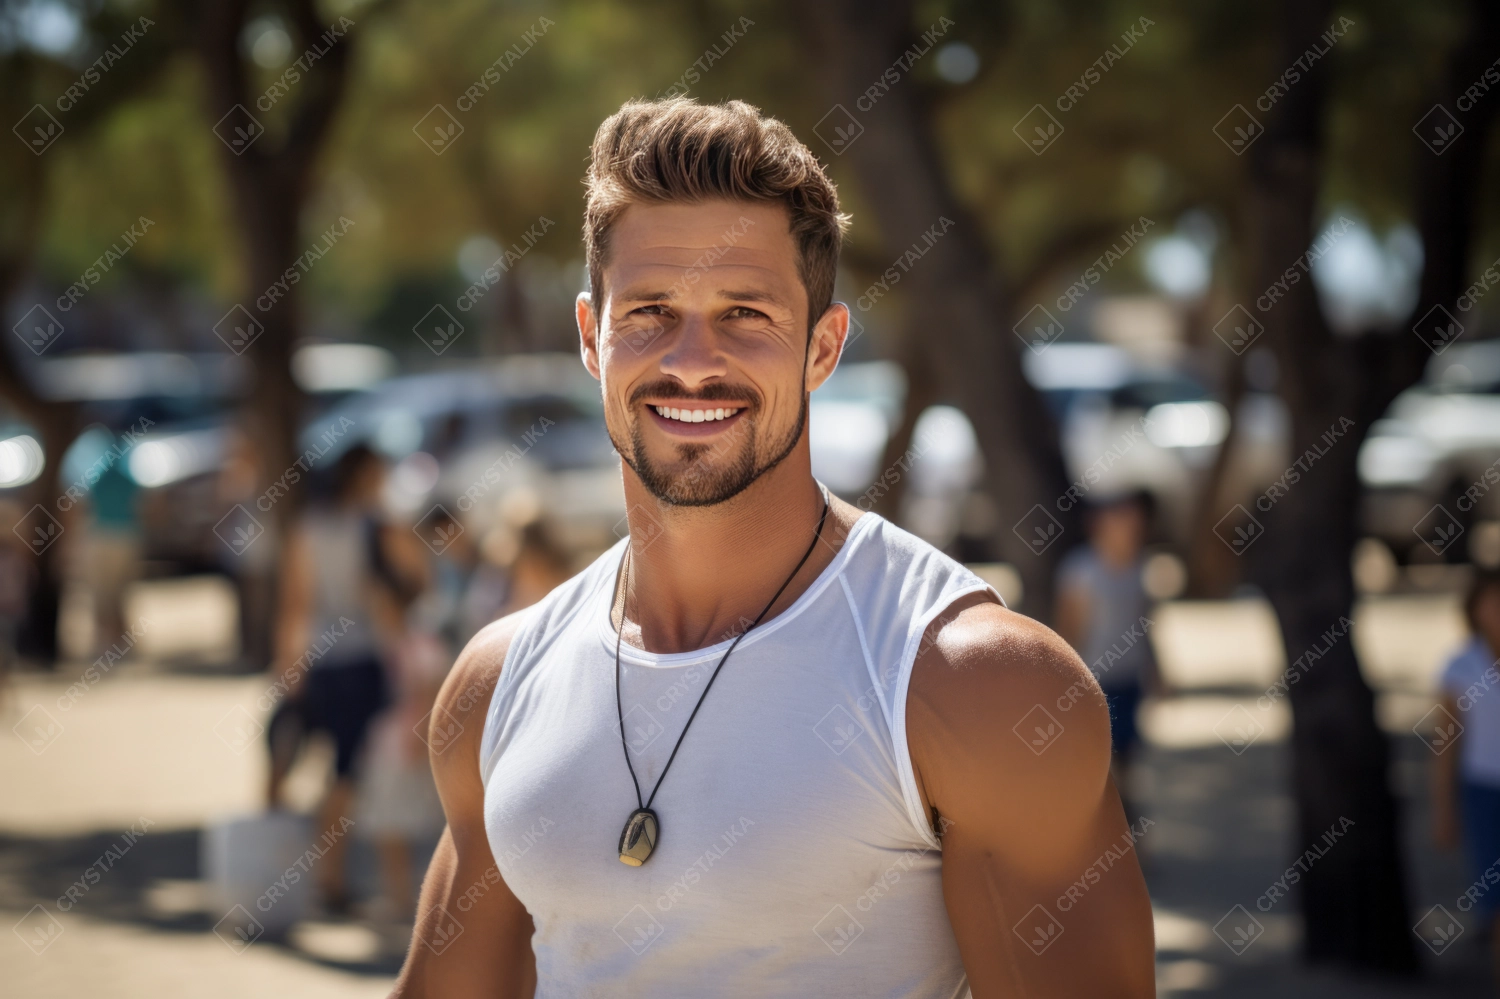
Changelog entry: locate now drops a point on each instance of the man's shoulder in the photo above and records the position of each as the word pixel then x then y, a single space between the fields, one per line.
pixel 997 698
pixel 465 696
pixel 903 566
pixel 979 648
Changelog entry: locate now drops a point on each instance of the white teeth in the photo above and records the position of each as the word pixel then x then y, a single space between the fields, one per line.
pixel 694 415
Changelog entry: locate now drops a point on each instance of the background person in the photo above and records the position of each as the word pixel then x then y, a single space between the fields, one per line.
pixel 539 566
pixel 340 621
pixel 1101 605
pixel 112 545
pixel 17 580
pixel 1466 776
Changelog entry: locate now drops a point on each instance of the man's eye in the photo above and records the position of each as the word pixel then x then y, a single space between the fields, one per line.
pixel 652 310
pixel 741 312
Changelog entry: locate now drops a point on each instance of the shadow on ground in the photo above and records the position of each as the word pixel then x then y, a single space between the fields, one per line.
pixel 154 884
pixel 1225 831
pixel 1222 833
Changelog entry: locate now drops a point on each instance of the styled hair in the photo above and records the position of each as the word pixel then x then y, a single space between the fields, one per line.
pixel 677 150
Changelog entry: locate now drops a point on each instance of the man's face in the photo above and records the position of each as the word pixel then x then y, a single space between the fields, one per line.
pixel 702 346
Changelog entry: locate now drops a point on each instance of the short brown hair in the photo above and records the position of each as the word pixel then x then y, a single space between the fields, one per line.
pixel 679 150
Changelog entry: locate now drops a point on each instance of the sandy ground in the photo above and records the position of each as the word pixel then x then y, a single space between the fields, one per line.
pixel 90 761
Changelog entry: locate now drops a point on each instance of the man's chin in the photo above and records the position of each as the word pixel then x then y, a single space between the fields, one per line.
pixel 695 486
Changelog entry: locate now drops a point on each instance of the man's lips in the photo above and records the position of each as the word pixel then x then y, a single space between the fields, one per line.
pixel 688 418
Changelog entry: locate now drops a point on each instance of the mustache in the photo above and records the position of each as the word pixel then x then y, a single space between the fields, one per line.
pixel 709 393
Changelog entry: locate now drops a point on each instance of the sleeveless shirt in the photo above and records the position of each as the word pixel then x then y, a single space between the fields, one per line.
pixel 794 858
pixel 339 553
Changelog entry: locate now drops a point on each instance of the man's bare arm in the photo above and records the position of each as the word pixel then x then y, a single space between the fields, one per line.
pixel 473 937
pixel 1009 735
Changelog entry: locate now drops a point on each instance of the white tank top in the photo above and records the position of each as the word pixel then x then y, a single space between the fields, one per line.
pixel 794 858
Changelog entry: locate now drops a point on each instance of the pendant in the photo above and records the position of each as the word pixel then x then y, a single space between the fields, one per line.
pixel 639 837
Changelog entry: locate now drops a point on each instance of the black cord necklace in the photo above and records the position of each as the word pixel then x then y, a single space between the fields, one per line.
pixel 642 830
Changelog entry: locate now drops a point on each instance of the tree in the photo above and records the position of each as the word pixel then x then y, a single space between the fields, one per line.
pixel 269 182
pixel 270 179
pixel 28 77
pixel 955 331
pixel 1354 897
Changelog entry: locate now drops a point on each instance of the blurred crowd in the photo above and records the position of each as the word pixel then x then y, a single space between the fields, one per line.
pixel 363 618
pixel 370 620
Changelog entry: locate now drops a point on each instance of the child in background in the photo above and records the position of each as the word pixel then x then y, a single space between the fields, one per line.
pixel 399 804
pixel 1466 778
pixel 1102 611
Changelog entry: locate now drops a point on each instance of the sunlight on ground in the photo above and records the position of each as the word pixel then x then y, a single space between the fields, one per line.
pixel 91 958
pixel 184 750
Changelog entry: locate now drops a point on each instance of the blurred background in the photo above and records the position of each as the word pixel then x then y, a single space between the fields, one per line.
pixel 1234 259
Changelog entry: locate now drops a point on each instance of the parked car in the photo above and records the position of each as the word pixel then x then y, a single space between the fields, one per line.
pixel 1124 424
pixel 1434 457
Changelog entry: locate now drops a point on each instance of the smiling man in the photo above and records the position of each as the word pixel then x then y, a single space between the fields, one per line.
pixel 769 744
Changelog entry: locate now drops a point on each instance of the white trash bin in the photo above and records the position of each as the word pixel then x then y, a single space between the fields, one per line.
pixel 254 883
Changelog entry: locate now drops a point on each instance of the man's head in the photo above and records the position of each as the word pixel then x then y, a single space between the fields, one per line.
pixel 712 238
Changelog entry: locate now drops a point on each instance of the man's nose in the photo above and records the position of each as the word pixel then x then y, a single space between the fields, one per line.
pixel 695 354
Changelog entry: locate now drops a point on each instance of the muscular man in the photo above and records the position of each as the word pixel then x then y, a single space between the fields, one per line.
pixel 893 785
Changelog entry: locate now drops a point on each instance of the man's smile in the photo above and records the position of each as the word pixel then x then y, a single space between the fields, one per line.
pixel 690 418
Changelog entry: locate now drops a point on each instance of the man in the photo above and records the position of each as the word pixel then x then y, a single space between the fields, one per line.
pixel 893 786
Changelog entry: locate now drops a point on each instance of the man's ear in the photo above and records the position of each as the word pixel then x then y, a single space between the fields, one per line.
pixel 829 335
pixel 588 333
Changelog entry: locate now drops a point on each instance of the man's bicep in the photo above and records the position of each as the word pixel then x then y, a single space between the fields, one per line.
pixel 472 937
pixel 1040 877
pixel 1079 924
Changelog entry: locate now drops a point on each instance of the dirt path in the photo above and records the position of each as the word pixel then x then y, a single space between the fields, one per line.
pixel 88 766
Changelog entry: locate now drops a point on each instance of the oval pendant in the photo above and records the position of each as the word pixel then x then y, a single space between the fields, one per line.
pixel 638 838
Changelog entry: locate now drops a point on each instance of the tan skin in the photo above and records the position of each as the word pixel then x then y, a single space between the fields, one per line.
pixel 1020 827
pixel 1445 776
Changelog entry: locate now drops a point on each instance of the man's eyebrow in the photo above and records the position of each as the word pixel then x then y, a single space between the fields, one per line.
pixel 752 296
pixel 646 293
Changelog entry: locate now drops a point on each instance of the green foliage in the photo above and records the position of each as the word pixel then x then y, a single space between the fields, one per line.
pixel 1137 142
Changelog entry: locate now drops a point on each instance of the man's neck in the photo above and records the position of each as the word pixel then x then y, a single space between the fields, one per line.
pixel 700 575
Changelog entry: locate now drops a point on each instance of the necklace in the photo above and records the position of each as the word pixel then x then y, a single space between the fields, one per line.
pixel 643 829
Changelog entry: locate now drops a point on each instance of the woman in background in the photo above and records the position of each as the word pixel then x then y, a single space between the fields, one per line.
pixel 343 584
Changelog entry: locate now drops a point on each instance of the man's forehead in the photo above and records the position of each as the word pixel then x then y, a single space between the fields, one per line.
pixel 706 223
pixel 730 245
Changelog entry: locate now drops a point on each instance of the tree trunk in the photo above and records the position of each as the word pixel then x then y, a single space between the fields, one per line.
pixel 1211 569
pixel 921 392
pixel 956 309
pixel 1353 897
pixel 269 179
